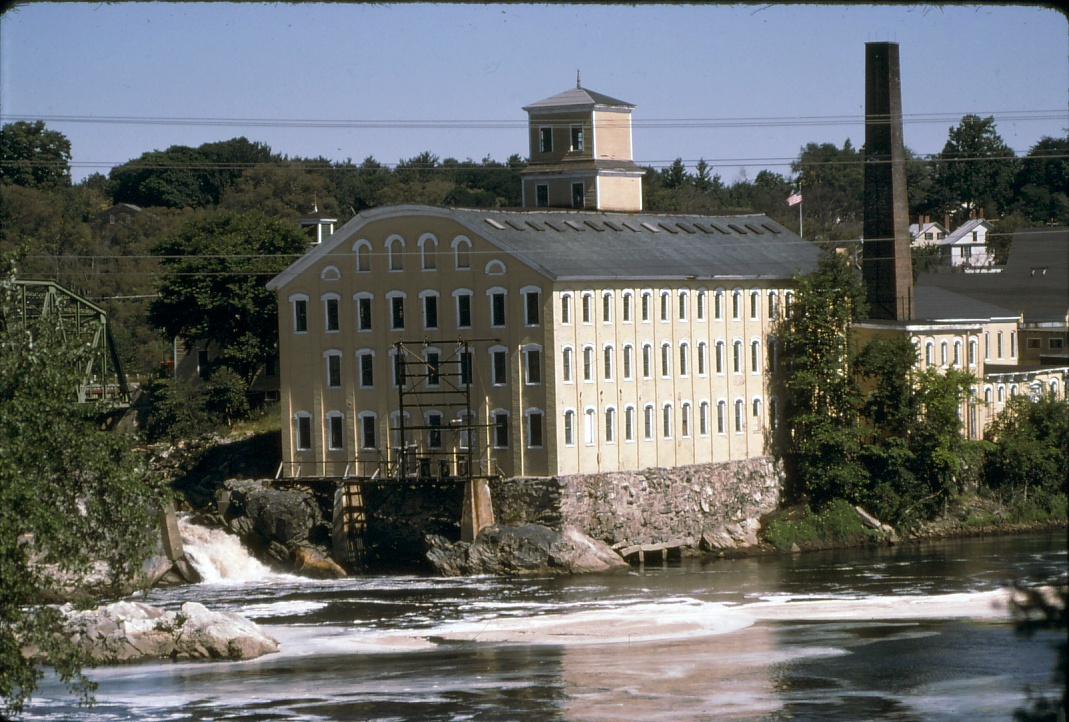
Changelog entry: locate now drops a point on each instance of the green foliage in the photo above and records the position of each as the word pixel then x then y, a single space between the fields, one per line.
pixel 70 495
pixel 837 524
pixel 967 181
pixel 1030 447
pixel 1040 187
pixel 832 185
pixel 226 396
pixel 216 267
pixel 175 410
pixel 33 156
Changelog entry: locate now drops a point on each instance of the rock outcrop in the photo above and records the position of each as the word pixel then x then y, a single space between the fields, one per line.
pixel 135 632
pixel 523 550
pixel 736 535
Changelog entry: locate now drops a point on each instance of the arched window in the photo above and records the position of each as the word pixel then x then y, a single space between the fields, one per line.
pixel 647 299
pixel 755 357
pixel 588 312
pixel 494 268
pixel 957 354
pixel 720 357
pixel 591 427
pixel 566 308
pixel 755 304
pixel 629 423
pixel 362 251
pixel 331 312
pixel 330 273
pixel 736 357
pixel 606 307
pixel 610 425
pixel 299 302
pixel 569 428
pixel 998 344
pixel 395 249
pixel 699 305
pixel 627 300
pixel 665 296
pixel 702 349
pixel 588 363
pixel 461 253
pixel 647 422
pixel 1001 393
pixel 666 360
pixel 683 302
pixel 1054 388
pixel 718 304
pixel 987 395
pixel 608 353
pixel 428 250
pixel 628 353
pixel 666 421
pixel 788 303
pixel 929 354
pixel 736 304
pixel 1013 390
pixel 684 352
pixel 647 361
pixel 944 357
pixel 566 364
pixel 756 411
pixel 972 352
pixel 773 413
pixel 684 419
pixel 703 418
pixel 740 417
pixel 773 306
pixel 721 416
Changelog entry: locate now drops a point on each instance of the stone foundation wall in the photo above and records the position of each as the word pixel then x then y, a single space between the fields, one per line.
pixel 644 507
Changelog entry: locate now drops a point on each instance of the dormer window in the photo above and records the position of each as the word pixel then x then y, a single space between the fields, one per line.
pixel 545 140
pixel 577 137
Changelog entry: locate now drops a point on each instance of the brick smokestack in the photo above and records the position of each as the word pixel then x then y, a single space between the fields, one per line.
pixel 885 261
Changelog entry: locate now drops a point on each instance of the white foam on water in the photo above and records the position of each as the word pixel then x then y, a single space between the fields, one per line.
pixel 281 609
pixel 985 606
pixel 220 558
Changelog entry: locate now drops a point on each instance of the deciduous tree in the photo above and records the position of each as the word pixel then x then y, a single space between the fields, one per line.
pixel 33 156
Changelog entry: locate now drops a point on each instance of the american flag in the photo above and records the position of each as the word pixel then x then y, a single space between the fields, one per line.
pixel 794 199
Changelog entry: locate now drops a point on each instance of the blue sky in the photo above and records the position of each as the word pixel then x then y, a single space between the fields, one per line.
pixel 484 62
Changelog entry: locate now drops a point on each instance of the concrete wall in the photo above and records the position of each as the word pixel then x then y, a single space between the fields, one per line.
pixel 647 506
pixel 616 193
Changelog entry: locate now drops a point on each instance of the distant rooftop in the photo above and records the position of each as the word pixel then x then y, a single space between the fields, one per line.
pixel 577 97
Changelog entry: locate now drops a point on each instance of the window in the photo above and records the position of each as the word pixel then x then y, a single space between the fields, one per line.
pixel 362 249
pixel 1013 344
pixel 588 300
pixel 1055 344
pixel 929 353
pixel 684 420
pixel 683 302
pixel 756 413
pixel 972 352
pixel 545 140
pixel 608 353
pixel 591 427
pixel 736 304
pixel 395 247
pixel 740 419
pixel 721 413
pixel 703 418
pixel 773 353
pixel 588 363
pixel 629 423
pixel 647 422
pixel 542 195
pixel 702 348
pixel 957 353
pixel 684 352
pixel 718 305
pixel 578 195
pixel 465 368
pixel 463 308
pixel 569 428
pixel 498 366
pixel 666 360
pixel 332 321
pixel 397 312
pixel 755 304
pixel 943 355
pixel 398 368
pixel 720 357
pixel 736 357
pixel 1033 342
pixel 998 344
pixel 497 307
pixel 466 434
pixel 501 429
pixel 577 137
pixel 606 307
pixel 494 267
pixel 366 362
pixel 628 351
pixel 461 253
pixel 788 301
pixel 646 300
pixel 1001 393
pixel 532 306
pixel 434 433
pixel 666 421
pixel 664 305
pixel 534 428
pixel 773 305
pixel 333 369
pixel 532 356
pixel 755 357
pixel 566 308
pixel 626 310
pixel 428 250
pixel 430 309
pixel 300 313
pixel 699 303
pixel 610 425
pixel 647 361
pixel 303 430
pixel 566 364
pixel 367 430
pixel 433 362
pixel 363 311
pixel 335 437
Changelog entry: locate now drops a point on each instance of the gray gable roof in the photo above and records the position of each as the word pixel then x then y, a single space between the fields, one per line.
pixel 965 229
pixel 933 303
pixel 579 245
pixel 577 97
pixel 592 245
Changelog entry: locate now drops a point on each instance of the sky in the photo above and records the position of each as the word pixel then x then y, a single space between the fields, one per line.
pixel 795 67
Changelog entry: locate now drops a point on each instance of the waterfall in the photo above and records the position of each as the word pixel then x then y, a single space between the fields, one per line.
pixel 219 556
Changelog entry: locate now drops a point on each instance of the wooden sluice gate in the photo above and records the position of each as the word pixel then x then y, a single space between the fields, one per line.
pixel 660 552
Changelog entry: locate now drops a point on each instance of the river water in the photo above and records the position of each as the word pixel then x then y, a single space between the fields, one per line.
pixel 907 633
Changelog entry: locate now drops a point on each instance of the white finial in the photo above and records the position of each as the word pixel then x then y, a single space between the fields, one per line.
pixel 577 85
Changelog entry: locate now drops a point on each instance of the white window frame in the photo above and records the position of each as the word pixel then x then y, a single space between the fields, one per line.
pixel 646 307
pixel 740 416
pixel 722 416
pixel 755 305
pixel 327 356
pixel 494 416
pixel 586 310
pixel 627 310
pixel 567 308
pixel 700 300
pixel 568 427
pixel 423 296
pixel 370 298
pixel 567 364
pixel 718 304
pixel 590 363
pixel 590 426
pixel 703 417
pixel 702 365
pixel 528 427
pixel 363 416
pixel 490 293
pixel 494 381
pixel 629 423
pixel 684 359
pixel 525 293
pixel 608 361
pixel 426 360
pixel 294 299
pixel 329 417
pixel 425 240
pixel 457 294
pixel 396 262
pixel 297 431
pixel 609 427
pixel 608 301
pixel 667 422
pixel 664 309
pixel 330 273
pixel 627 362
pixel 526 355
pixel 648 364
pixel 755 357
pixel 360 355
pixel 683 304
pixel 461 258
pixel 362 252
pixel 685 420
pixel 649 423
pixel 389 304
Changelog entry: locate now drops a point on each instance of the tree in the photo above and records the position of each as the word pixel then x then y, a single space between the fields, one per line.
pixel 1042 180
pixel 33 156
pixel 70 495
pixel 832 182
pixel 675 175
pixel 213 288
pixel 822 399
pixel 1030 447
pixel 976 168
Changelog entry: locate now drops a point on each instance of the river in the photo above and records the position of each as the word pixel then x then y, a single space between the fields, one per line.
pixel 905 633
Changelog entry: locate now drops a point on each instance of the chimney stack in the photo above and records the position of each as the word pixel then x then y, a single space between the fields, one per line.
pixel 886 264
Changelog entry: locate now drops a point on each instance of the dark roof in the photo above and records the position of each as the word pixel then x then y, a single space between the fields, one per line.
pixel 592 245
pixel 932 303
pixel 1034 283
pixel 571 166
pixel 580 97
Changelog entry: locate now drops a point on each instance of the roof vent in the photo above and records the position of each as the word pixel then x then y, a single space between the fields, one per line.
pixel 495 224
pixel 753 229
pixel 629 227
pixel 650 227
pixel 737 229
pixel 536 225
pixel 771 228
pixel 686 227
pixel 594 225
pixel 612 225
pixel 554 226
pixel 718 229
pixel 668 227
pixel 574 225
pixel 514 224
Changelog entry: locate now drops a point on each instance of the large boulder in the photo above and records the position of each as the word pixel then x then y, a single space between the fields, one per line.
pixel 523 550
pixel 311 562
pixel 285 516
pixel 736 535
pixel 136 632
